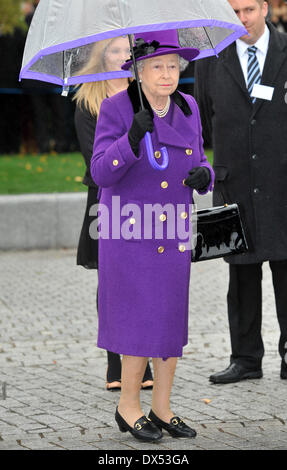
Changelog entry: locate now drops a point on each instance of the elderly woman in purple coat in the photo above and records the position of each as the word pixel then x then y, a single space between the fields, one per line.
pixel 145 228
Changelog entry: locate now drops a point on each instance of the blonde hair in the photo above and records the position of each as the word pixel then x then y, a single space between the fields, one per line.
pixel 91 94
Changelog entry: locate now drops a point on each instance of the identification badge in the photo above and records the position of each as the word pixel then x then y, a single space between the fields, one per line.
pixel 262 91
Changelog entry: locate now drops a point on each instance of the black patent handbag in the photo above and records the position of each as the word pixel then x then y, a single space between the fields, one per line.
pixel 218 233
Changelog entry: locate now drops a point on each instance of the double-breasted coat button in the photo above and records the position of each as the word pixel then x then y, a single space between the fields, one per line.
pixel 182 248
pixel 183 182
pixel 157 154
pixel 164 184
pixel 183 215
pixel 256 190
pixel 188 151
pixel 115 162
pixel 160 249
pixel 162 217
pixel 132 220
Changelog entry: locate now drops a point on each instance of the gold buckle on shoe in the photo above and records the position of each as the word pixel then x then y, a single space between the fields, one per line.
pixel 138 426
pixel 174 421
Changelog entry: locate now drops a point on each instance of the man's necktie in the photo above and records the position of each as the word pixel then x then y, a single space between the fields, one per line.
pixel 253 71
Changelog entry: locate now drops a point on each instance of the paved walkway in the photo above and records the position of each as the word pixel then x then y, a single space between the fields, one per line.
pixel 52 375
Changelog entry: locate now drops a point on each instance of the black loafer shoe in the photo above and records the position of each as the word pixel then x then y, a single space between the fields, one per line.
pixel 235 373
pixel 144 430
pixel 176 427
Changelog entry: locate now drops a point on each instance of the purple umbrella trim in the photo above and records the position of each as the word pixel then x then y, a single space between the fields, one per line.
pixel 26 73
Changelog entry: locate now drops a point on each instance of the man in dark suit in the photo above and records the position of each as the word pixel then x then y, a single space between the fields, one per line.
pixel 242 96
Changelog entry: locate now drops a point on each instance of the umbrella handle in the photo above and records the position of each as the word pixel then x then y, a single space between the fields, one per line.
pixel 150 154
pixel 148 142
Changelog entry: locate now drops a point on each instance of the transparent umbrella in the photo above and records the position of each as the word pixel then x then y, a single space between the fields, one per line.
pixel 65 37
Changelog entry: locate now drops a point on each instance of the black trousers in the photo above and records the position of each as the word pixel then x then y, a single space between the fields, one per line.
pixel 244 302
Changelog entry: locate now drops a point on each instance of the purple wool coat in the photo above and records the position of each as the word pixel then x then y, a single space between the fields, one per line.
pixel 144 280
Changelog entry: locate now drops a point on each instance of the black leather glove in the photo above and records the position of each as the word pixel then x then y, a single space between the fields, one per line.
pixel 199 178
pixel 142 123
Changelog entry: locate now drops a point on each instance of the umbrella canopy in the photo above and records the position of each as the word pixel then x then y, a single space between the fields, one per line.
pixel 60 46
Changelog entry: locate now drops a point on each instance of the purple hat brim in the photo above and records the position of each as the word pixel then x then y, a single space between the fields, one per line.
pixel 186 53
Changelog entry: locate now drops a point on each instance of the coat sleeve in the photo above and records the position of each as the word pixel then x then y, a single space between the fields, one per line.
pixel 112 154
pixel 203 159
pixel 85 125
pixel 202 97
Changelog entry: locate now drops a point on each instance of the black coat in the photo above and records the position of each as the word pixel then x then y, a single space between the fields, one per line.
pixel 85 125
pixel 250 145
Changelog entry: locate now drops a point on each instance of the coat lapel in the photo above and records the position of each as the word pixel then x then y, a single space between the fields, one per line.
pixel 178 133
pixel 275 58
pixel 230 61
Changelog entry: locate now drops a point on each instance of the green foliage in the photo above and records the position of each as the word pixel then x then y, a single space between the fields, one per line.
pixel 49 173
pixel 11 16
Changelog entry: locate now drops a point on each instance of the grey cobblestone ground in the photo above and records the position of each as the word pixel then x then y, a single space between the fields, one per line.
pixel 52 375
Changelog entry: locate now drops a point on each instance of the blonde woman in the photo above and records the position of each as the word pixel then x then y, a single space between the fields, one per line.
pixel 104 56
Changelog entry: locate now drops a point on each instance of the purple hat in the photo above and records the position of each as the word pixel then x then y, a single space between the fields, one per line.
pixel 155 43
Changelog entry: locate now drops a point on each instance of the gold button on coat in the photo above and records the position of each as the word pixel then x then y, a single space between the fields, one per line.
pixel 160 249
pixel 164 184
pixel 181 248
pixel 115 162
pixel 183 215
pixel 157 154
pixel 188 151
pixel 162 217
pixel 132 220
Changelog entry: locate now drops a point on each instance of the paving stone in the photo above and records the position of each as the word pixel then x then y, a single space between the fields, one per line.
pixel 55 374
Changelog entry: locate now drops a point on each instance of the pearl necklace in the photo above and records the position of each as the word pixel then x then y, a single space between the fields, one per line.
pixel 162 112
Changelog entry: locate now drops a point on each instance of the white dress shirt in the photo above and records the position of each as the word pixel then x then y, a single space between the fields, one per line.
pixel 262 48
